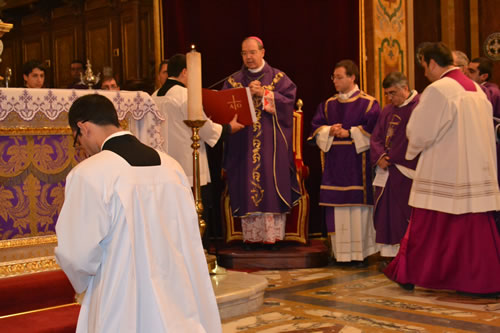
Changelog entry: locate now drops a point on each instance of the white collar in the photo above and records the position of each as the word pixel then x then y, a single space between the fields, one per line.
pixel 348 95
pixel 448 70
pixel 409 99
pixel 256 70
pixel 120 133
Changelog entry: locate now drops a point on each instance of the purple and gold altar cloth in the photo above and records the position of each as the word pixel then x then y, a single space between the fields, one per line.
pixel 37 153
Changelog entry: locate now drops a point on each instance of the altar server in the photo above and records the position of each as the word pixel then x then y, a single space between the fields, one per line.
pixel 128 233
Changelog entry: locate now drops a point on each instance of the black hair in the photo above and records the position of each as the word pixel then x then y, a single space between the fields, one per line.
pixel 29 66
pixel 94 108
pixel 350 68
pixel 485 66
pixel 438 52
pixel 163 62
pixel 78 61
pixel 176 64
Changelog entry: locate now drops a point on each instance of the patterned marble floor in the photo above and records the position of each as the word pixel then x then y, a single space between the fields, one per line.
pixel 343 299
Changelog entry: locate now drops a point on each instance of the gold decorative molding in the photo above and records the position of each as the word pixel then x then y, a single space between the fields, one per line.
pixel 158 32
pixel 35 131
pixel 448 23
pixel 362 46
pixel 28 266
pixel 5 27
pixel 474 29
pixel 410 34
pixel 38 310
pixel 28 241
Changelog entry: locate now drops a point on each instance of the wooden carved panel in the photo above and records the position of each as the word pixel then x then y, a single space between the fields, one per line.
pixel 32 49
pixel 147 47
pixel 36 46
pixel 99 45
pixel 130 47
pixel 64 51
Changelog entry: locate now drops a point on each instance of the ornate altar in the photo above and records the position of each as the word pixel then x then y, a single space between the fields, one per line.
pixel 37 153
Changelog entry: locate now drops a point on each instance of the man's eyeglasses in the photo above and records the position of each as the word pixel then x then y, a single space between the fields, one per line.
pixel 338 77
pixel 77 134
pixel 391 93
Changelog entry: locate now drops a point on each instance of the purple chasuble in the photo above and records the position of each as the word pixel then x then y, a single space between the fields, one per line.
pixel 391 212
pixel 347 176
pixel 258 160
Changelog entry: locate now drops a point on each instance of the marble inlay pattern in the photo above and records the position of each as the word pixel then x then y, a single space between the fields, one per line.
pixel 343 299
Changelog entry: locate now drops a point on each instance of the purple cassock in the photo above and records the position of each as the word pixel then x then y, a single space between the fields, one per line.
pixel 391 213
pixel 258 160
pixel 347 176
pixel 493 93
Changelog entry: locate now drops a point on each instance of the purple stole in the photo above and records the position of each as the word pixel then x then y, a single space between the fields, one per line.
pixel 389 136
pixel 391 212
pixel 258 160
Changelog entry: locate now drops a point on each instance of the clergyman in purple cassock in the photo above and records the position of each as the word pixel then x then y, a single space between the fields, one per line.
pixel 341 128
pixel 451 241
pixel 258 160
pixel 394 174
pixel 480 70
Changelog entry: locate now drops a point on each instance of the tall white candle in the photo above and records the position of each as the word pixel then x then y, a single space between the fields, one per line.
pixel 193 60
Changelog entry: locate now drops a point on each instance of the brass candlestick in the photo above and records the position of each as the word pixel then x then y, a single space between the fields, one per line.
pixel 195 126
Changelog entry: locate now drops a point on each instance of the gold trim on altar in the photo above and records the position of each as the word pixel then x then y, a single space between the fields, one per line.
pixel 28 266
pixel 38 310
pixel 31 241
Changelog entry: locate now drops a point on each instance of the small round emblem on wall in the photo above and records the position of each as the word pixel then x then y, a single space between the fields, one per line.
pixel 491 46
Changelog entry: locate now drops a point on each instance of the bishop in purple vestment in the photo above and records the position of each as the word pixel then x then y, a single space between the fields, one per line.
pixel 341 127
pixel 388 144
pixel 258 160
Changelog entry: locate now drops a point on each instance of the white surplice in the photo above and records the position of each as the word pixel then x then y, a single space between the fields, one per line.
pixel 129 237
pixel 354 236
pixel 458 175
pixel 173 106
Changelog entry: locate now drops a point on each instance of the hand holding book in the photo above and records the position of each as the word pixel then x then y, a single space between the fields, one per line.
pixel 221 106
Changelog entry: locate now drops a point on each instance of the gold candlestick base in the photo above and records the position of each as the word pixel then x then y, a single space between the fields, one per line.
pixel 195 126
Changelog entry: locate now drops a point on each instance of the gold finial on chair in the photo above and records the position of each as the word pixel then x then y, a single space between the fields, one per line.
pixel 299 105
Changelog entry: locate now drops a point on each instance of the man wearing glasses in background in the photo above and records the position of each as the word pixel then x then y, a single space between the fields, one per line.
pixel 341 127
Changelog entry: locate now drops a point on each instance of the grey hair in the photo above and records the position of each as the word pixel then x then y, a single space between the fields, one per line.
pixel 461 58
pixel 395 79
